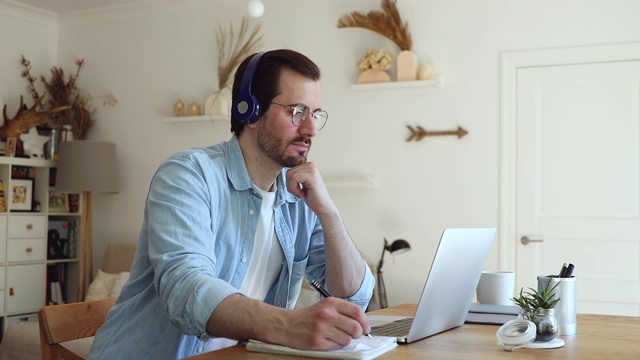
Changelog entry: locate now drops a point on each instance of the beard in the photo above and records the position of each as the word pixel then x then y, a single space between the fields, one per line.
pixel 275 147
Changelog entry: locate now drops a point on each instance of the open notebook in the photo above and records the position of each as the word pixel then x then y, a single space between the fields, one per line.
pixel 448 290
pixel 360 349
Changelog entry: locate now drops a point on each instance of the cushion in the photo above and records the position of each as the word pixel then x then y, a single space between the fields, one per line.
pixel 79 346
pixel 101 286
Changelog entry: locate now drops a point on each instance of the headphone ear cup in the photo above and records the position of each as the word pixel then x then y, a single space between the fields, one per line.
pixel 246 108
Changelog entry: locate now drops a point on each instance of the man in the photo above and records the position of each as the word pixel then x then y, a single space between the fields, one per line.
pixel 231 231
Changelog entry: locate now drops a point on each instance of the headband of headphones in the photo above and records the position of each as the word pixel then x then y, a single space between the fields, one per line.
pixel 246 108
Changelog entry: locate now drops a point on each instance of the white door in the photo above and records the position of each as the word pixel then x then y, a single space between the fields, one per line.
pixel 576 179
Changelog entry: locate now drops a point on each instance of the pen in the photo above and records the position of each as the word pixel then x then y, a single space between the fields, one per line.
pixel 320 289
pixel 569 271
pixel 316 285
pixel 562 270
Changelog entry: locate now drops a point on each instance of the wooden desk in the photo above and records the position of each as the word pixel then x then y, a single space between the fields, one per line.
pixel 599 337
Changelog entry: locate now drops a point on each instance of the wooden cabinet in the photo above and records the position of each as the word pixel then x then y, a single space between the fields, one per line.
pixel 26 264
pixel 26 241
pixel 2 291
pixel 3 239
pixel 26 288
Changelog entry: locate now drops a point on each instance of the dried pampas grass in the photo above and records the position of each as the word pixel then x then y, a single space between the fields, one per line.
pixel 231 53
pixel 386 23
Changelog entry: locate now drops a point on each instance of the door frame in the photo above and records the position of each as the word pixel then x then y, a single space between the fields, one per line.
pixel 510 63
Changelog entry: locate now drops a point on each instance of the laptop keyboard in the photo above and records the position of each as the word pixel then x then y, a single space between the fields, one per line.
pixel 397 328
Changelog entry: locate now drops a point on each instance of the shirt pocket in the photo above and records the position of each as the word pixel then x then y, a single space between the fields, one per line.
pixel 297 276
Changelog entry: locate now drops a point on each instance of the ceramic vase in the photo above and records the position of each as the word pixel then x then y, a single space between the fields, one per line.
pixel 218 103
pixel 373 76
pixel 67 133
pixel 178 108
pixel 407 66
pixel 426 72
pixel 193 109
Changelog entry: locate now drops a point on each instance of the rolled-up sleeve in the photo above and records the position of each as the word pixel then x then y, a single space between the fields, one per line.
pixel 317 265
pixel 182 244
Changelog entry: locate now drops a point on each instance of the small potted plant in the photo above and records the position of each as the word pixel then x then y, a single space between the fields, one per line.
pixel 538 307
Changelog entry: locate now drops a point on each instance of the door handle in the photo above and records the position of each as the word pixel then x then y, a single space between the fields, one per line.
pixel 525 240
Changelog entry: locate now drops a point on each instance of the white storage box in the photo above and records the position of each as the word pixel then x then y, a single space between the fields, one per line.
pixel 11 320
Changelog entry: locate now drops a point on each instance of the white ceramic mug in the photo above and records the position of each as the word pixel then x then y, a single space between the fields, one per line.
pixel 496 287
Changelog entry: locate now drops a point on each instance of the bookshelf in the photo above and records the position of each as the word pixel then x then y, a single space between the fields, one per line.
pixel 31 258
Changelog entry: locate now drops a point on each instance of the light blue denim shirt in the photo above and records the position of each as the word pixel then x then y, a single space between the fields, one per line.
pixel 194 249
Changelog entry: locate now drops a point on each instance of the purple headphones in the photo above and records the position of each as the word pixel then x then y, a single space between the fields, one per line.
pixel 246 109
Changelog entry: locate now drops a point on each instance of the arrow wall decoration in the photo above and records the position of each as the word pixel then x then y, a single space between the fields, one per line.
pixel 418 133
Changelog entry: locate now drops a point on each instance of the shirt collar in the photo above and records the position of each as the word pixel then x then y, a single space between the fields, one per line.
pixel 239 176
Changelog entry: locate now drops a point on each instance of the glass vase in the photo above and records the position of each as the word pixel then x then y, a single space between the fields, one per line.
pixel 545 321
pixel 52 146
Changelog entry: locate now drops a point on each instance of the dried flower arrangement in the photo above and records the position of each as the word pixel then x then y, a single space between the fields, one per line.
pixel 63 92
pixel 231 53
pixel 376 59
pixel 386 23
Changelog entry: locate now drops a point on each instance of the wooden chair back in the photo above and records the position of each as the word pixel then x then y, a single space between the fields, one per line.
pixel 66 322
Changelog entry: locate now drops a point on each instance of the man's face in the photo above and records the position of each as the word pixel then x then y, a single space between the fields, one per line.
pixel 286 144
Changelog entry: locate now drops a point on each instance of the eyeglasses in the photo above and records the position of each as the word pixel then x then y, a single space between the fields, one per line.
pixel 300 113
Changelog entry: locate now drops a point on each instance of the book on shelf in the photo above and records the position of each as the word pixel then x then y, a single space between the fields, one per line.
pixel 56 275
pixel 72 241
pixel 52 176
pixel 360 349
pixel 3 202
pixel 22 172
pixel 56 297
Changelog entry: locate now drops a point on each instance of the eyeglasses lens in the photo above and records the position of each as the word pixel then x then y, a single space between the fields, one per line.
pixel 299 115
pixel 301 112
pixel 320 118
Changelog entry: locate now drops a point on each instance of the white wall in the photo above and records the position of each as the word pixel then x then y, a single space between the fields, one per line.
pixel 149 56
pixel 32 34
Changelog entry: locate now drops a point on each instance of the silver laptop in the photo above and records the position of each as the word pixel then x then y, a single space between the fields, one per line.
pixel 448 291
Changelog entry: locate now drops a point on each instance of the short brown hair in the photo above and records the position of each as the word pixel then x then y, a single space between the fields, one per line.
pixel 266 80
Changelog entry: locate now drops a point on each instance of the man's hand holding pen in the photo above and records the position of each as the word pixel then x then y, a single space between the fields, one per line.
pixel 329 324
pixel 316 285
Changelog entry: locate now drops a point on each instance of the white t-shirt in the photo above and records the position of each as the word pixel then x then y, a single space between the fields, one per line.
pixel 267 256
pixel 266 260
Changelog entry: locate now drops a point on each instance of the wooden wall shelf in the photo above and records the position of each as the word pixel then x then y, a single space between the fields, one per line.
pixel 351 181
pixel 199 118
pixel 436 83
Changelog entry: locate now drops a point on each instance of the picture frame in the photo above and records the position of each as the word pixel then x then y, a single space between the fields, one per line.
pixel 12 144
pixel 21 195
pixel 58 202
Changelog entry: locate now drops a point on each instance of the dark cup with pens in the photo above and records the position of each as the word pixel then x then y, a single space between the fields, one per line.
pixel 566 290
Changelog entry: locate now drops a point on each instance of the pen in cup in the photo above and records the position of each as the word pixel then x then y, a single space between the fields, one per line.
pixel 569 271
pixel 562 270
pixel 566 271
pixel 316 285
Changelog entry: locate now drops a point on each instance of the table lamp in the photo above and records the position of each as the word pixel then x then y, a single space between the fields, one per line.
pixel 398 247
pixel 87 167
